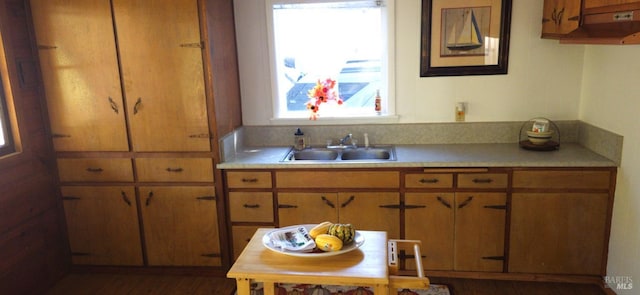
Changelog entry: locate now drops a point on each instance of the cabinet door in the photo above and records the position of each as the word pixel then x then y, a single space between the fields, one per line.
pixel 102 224
pixel 603 3
pixel 371 211
pixel 76 44
pixel 560 17
pixel 180 225
pixel 558 233
pixel 307 208
pixel 162 69
pixel 429 217
pixel 479 231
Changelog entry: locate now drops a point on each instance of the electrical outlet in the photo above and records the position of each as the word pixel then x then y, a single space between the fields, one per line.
pixel 460 111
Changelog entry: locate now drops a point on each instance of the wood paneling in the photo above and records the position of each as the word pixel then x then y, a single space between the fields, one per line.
pixel 33 244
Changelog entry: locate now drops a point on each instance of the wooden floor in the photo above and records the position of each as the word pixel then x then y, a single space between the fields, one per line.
pixel 75 284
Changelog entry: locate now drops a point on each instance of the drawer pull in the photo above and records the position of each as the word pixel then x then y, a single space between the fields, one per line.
pixel 493 257
pixel 206 198
pixel 443 202
pixel 395 206
pixel 286 206
pixel 430 180
pixel 94 170
pixel 211 255
pixel 125 199
pixel 70 198
pixel 482 180
pixel 58 135
pixel 251 206
pixel 326 201
pixel 250 180
pixel 466 202
pixel 347 202
pixel 176 170
pixel 413 206
pixel 498 207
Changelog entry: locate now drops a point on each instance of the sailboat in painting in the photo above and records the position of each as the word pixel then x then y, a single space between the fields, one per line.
pixel 469 37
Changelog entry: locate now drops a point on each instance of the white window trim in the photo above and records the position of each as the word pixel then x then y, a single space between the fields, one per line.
pixel 390 115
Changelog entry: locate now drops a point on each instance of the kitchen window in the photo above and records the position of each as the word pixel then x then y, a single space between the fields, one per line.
pixel 6 139
pixel 347 41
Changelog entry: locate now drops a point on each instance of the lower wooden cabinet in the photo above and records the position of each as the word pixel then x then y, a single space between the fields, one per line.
pixel 180 225
pixel 559 233
pixel 365 210
pixel 459 231
pixel 102 224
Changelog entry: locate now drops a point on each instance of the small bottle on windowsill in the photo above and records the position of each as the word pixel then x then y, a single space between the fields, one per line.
pixel 378 103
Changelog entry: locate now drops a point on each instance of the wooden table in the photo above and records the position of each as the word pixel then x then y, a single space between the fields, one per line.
pixel 365 266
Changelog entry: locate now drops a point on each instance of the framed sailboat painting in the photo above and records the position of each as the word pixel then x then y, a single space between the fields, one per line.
pixel 464 37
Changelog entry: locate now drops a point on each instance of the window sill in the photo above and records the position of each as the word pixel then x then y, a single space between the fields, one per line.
pixel 383 119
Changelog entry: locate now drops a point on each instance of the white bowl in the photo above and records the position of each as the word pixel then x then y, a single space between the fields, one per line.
pixel 539 138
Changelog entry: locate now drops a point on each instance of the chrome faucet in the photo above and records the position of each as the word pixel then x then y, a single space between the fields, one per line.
pixel 344 139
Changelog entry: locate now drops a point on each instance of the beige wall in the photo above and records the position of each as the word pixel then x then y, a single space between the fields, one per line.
pixel 544 77
pixel 610 100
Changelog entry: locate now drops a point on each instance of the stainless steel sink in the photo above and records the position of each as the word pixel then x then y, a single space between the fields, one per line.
pixel 377 153
pixel 366 154
pixel 314 154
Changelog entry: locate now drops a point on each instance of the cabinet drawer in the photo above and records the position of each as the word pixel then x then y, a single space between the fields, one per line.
pixel 249 179
pixel 428 180
pixel 99 170
pixel 483 180
pixel 175 169
pixel 338 179
pixel 241 237
pixel 251 206
pixel 562 179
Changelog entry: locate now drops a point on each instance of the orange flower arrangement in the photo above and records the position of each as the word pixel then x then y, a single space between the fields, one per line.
pixel 321 93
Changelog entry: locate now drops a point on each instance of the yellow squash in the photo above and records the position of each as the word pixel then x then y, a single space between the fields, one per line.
pixel 327 243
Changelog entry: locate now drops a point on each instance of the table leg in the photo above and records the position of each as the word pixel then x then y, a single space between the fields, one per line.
pixel 380 290
pixel 243 286
pixel 269 288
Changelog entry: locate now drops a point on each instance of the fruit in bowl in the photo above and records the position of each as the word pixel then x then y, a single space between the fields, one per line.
pixel 539 138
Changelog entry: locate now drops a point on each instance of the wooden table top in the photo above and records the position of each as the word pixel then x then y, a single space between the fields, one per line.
pixel 365 265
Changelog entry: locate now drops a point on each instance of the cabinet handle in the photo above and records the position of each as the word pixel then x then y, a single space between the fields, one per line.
pixel 466 202
pixel 177 170
pixel 148 201
pixel 114 105
pixel 430 180
pixel 482 180
pixel 46 47
pixel 70 198
pixel 136 107
pixel 249 180
pixel 326 201
pixel 443 202
pixel 251 206
pixel 394 206
pixel 206 198
pixel 193 45
pixel 347 202
pixel 58 135
pixel 201 135
pixel 94 170
pixel 286 206
pixel 125 199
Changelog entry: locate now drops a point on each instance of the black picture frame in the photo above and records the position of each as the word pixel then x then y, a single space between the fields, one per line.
pixel 464 61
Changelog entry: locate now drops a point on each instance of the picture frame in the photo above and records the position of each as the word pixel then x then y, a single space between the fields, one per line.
pixel 464 37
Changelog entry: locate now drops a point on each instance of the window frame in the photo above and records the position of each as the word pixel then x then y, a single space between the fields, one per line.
pixel 7 132
pixel 387 90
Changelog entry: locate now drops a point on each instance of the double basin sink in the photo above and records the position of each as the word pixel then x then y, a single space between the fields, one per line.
pixel 342 153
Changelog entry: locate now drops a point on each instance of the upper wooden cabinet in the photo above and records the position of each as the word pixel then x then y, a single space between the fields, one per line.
pixel 560 17
pixel 156 64
pixel 79 64
pixel 589 4
pixel 162 71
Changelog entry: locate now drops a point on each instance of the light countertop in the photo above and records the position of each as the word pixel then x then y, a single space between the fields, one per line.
pixel 431 155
